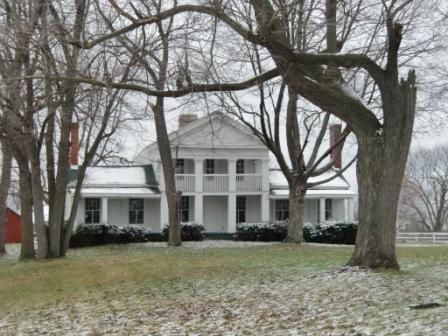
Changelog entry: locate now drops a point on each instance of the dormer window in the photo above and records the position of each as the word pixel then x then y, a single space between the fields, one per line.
pixel 240 166
pixel 180 166
pixel 209 166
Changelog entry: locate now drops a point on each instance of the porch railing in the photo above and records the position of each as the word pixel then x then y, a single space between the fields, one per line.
pixel 423 237
pixel 216 182
pixel 248 182
pixel 185 182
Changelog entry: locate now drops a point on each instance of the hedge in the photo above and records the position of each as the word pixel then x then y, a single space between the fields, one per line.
pixel 327 233
pixel 189 232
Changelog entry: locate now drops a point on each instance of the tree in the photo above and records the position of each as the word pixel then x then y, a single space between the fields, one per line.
pixel 5 182
pixel 383 135
pixel 424 197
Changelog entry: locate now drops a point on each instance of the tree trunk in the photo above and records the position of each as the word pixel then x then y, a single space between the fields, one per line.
pixel 173 197
pixel 296 206
pixel 27 234
pixel 4 190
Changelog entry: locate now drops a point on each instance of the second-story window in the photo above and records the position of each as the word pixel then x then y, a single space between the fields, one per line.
pixel 209 166
pixel 180 166
pixel 240 166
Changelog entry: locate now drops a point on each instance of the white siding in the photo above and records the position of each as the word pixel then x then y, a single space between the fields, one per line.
pixel 152 214
pixel 118 211
pixel 253 209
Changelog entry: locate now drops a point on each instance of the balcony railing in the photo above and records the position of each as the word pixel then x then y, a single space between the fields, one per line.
pixel 248 182
pixel 216 182
pixel 185 182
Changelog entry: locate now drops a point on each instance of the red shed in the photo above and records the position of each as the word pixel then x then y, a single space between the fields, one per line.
pixel 12 228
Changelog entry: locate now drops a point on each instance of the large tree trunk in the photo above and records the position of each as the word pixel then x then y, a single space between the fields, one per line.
pixel 27 234
pixel 4 189
pixel 296 206
pixel 173 197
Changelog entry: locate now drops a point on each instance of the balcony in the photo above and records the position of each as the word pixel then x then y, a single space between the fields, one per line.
pixel 216 182
pixel 249 182
pixel 185 182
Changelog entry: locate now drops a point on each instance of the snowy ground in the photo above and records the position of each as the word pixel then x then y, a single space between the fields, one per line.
pixel 257 289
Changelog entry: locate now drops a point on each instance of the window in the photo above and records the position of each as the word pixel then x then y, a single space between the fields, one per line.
pixel 180 166
pixel 281 210
pixel 209 166
pixel 240 166
pixel 328 209
pixel 136 211
pixel 92 212
pixel 185 209
pixel 240 209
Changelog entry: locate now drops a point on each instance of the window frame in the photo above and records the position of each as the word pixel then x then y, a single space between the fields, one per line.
pixel 240 167
pixel 184 209
pixel 136 216
pixel 241 209
pixel 180 166
pixel 210 166
pixel 328 209
pixel 92 212
pixel 281 212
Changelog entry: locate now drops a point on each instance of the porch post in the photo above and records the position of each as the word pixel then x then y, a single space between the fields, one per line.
pixel 232 175
pixel 198 175
pixel 163 211
pixel 346 210
pixel 198 209
pixel 104 210
pixel 265 207
pixel 231 213
pixel 321 210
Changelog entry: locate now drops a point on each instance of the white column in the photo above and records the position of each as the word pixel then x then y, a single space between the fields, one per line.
pixel 265 207
pixel 232 175
pixel 104 210
pixel 265 175
pixel 163 211
pixel 231 213
pixel 199 209
pixel 321 210
pixel 198 175
pixel 346 210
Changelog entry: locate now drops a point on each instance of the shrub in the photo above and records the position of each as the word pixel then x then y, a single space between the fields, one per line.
pixel 189 232
pixel 326 233
pixel 333 233
pixel 102 234
pixel 260 232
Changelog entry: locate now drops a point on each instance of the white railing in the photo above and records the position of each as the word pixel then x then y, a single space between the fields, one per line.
pixel 423 237
pixel 249 182
pixel 185 182
pixel 216 182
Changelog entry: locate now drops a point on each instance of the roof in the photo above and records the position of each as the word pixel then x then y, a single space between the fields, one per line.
pixel 121 192
pixel 278 180
pixel 313 193
pixel 119 177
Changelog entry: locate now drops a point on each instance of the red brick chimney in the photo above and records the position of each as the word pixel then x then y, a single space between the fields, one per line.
pixel 74 143
pixel 185 119
pixel 335 135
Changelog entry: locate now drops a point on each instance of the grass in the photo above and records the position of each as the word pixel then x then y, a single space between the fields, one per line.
pixel 231 282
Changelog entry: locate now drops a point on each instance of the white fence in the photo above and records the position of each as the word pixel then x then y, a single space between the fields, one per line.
pixel 423 237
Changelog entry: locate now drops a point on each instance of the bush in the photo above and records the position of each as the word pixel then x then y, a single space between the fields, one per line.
pixel 260 232
pixel 327 233
pixel 189 232
pixel 102 234
pixel 333 233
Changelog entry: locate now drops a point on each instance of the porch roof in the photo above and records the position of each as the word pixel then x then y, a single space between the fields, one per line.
pixel 120 192
pixel 313 193
pixel 278 180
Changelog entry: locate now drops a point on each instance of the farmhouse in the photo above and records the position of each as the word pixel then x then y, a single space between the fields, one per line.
pixel 224 174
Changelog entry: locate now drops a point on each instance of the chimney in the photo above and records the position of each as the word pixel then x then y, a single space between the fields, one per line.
pixel 74 143
pixel 335 135
pixel 185 119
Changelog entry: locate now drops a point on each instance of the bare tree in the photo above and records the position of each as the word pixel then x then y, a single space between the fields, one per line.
pixel 424 196
pixel 5 182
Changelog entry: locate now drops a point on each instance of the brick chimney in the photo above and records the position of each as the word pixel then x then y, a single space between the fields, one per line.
pixel 185 119
pixel 335 135
pixel 74 143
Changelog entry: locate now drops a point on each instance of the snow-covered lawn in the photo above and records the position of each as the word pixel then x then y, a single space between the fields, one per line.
pixel 223 288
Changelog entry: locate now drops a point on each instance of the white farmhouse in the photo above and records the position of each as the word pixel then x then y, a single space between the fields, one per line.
pixel 223 172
